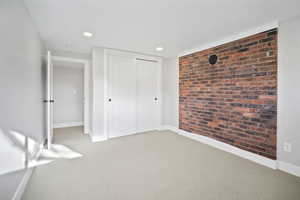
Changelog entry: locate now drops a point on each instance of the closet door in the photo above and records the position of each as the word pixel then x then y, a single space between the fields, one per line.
pixel 122 95
pixel 147 95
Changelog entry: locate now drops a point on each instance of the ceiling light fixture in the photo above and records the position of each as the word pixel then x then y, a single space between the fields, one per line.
pixel 87 34
pixel 159 48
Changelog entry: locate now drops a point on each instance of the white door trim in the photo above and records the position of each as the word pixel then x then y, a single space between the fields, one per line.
pixel 86 86
pixel 48 99
pixel 108 52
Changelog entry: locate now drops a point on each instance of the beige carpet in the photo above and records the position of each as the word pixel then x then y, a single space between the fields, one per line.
pixel 156 166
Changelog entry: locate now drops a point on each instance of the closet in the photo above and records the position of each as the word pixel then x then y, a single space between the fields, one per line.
pixel 133 93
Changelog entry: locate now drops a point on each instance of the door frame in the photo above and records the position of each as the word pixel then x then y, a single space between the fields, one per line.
pixel 86 78
pixel 135 56
pixel 49 99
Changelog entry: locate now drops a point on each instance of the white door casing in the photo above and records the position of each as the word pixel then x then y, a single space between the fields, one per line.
pixel 49 100
pixel 87 77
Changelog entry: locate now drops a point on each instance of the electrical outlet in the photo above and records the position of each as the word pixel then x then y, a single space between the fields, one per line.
pixel 287 147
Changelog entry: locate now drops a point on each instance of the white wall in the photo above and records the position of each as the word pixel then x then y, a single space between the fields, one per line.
pixel 289 91
pixel 170 82
pixel 21 81
pixel 68 94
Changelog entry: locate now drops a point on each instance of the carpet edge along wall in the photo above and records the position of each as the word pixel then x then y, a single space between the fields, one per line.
pixel 234 100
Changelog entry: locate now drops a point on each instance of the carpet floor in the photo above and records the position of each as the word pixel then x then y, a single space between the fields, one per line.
pixel 158 165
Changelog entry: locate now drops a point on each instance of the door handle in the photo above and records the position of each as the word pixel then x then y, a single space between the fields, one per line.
pixel 48 101
pixel 155 99
pixel 109 100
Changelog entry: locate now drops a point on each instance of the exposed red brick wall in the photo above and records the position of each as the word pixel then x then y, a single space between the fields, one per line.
pixel 234 100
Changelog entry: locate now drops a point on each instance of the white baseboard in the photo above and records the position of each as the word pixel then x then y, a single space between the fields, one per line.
pixel 97 138
pixel 67 124
pixel 225 147
pixel 22 186
pixel 289 168
pixel 168 127
pixel 86 130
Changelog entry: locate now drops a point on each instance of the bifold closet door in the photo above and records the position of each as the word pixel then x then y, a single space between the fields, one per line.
pixel 122 95
pixel 147 95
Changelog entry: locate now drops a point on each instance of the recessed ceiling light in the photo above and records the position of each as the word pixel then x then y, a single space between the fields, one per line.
pixel 87 34
pixel 159 48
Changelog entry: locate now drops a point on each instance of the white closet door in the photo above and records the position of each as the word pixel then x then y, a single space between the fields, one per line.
pixel 122 95
pixel 147 95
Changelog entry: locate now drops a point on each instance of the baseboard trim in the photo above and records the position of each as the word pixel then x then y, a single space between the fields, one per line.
pixel 97 138
pixel 67 124
pixel 225 147
pixel 289 168
pixel 22 186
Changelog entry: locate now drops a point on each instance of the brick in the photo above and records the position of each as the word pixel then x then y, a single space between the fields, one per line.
pixel 235 100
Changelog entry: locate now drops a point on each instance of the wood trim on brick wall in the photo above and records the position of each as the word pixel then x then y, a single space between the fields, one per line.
pixel 234 100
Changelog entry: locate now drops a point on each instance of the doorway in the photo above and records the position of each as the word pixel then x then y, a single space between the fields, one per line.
pixel 68 93
pixel 69 88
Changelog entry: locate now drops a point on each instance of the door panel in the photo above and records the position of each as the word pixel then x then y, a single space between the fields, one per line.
pixel 147 95
pixel 122 95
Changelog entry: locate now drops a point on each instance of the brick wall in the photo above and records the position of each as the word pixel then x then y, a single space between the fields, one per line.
pixel 234 100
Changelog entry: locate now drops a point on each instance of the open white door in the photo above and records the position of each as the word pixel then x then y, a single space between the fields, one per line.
pixel 49 100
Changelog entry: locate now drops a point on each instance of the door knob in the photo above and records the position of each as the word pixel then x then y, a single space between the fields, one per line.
pixel 48 101
pixel 109 100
